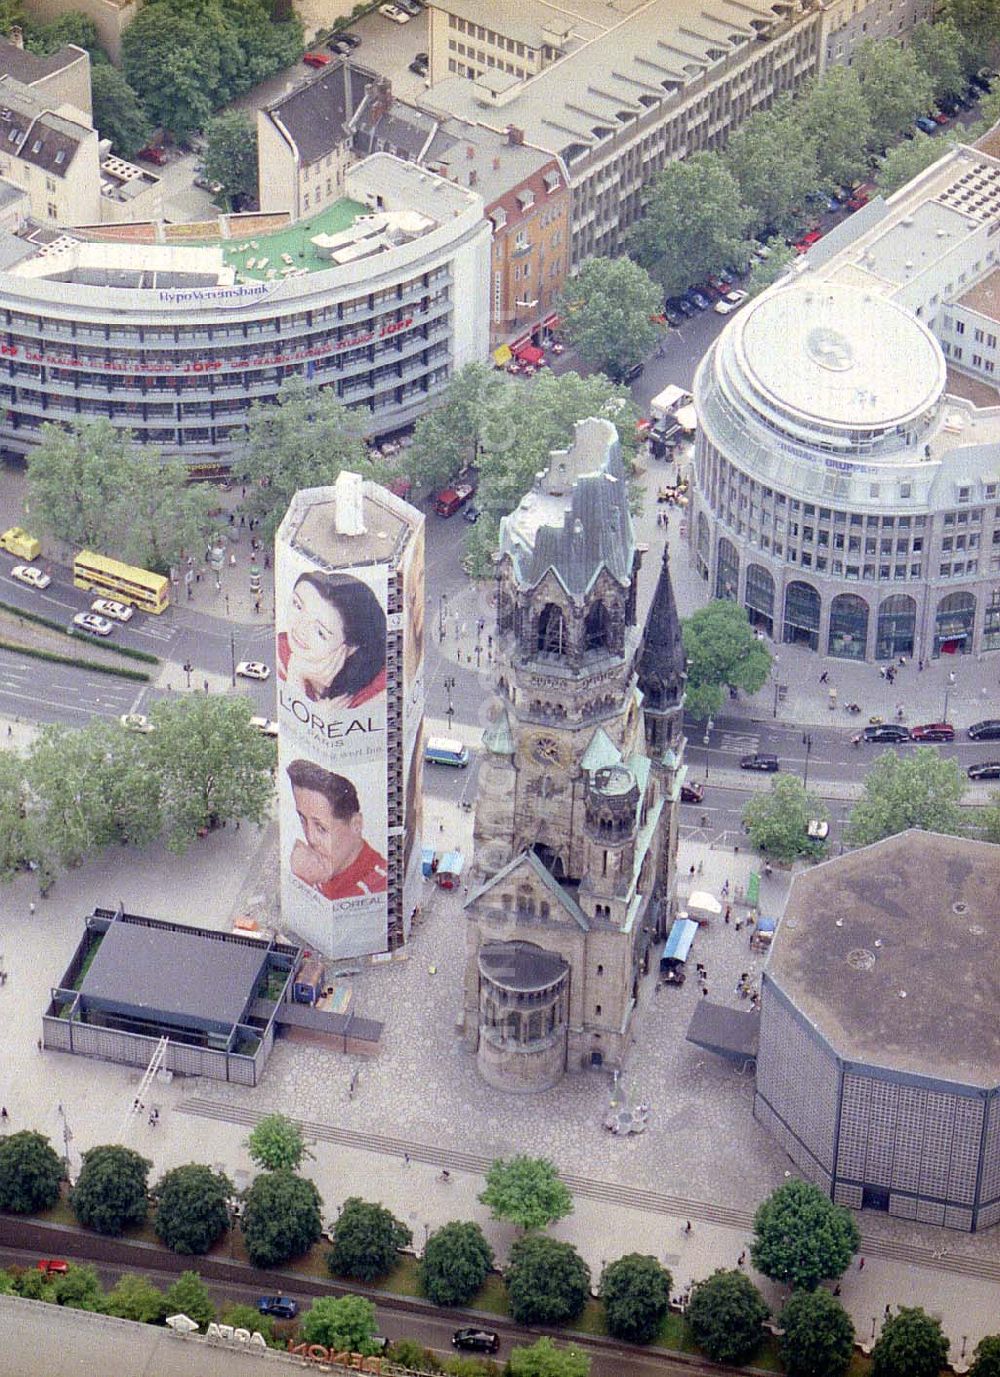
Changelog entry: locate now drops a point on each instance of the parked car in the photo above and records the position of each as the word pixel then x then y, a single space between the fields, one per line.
pixel 264 725
pixel 767 763
pixel 479 1340
pixel 697 300
pixel 394 13
pixel 709 290
pixel 986 769
pixel 679 305
pixel 449 500
pixel 860 196
pixel 152 153
pixel 732 301
pixel 471 515
pixel 420 65
pixel 252 669
pixel 136 722
pixel 933 731
pixel 692 792
pixel 925 123
pixel 987 730
pixel 817 829
pixel 278 1307
pixel 940 117
pixel 626 376
pixel 886 731
pixel 412 7
pixel 673 318
pixel 316 59
pixel 27 573
pixel 52 1266
pixel 344 43
pixel 117 611
pixel 97 626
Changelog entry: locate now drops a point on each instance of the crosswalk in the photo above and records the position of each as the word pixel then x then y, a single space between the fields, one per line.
pixel 738 743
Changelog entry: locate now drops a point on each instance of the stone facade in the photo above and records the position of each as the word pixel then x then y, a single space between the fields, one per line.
pixel 575 827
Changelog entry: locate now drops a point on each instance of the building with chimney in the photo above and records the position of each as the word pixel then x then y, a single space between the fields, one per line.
pixel 575 828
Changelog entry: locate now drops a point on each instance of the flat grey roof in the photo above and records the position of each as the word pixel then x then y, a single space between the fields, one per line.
pixel 310 526
pixel 893 953
pixel 191 976
pixel 984 297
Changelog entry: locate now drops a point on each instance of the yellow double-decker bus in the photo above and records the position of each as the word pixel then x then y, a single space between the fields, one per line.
pixel 140 588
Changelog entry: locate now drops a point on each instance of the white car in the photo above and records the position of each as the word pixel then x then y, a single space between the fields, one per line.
pixel 97 626
pixel 264 725
pixel 252 669
pixel 27 573
pixel 136 722
pixel 394 13
pixel 732 301
pixel 818 829
pixel 117 611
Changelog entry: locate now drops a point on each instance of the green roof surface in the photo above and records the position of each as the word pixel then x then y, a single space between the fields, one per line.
pixel 295 241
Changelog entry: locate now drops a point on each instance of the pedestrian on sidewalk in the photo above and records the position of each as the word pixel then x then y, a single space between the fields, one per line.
pixel 824 678
pixel 4 1116
pixel 861 1264
pixel 31 908
pixel 406 1159
pixel 729 912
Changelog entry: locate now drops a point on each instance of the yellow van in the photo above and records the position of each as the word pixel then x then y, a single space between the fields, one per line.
pixel 17 542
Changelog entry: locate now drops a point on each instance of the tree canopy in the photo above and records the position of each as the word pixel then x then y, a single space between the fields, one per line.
pixel 976 21
pixel 772 156
pixel 778 820
pixel 907 160
pixel 366 1240
pixel 281 1218
pixel 276 1142
pixel 725 1313
pixel 526 1191
pixel 118 115
pixel 231 155
pixel 801 1237
pixel 819 1337
pixel 636 1294
pixel 80 1288
pixel 722 652
pixel 694 223
pixel 30 1173
pixel 607 312
pixel 895 87
pixel 446 440
pixel 764 272
pixel 986 1359
pixel 545 1359
pixel 547 1280
pixel 456 1262
pixel 835 118
pixel 192 1208
pixel 939 48
pixel 920 789
pixel 111 1190
pixel 136 1298
pixel 189 1296
pixel 343 1322
pixel 911 1345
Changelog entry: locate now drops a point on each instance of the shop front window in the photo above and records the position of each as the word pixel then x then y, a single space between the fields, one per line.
pixel 896 627
pixel 727 571
pixel 953 624
pixel 848 636
pixel 759 598
pixel 802 610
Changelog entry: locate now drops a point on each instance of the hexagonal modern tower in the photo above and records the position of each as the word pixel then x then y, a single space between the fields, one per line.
pixel 879 1063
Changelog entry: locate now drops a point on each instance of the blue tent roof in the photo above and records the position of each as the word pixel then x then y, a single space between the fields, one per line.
pixel 679 942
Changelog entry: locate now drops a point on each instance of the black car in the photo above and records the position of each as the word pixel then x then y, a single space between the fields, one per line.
pixel 278 1307
pixel 886 731
pixel 987 730
pixel 986 769
pixel 420 64
pixel 344 43
pixel 481 1340
pixel 768 763
pixel 692 793
pixel 674 318
pixel 680 306
pixel 471 514
pixel 626 376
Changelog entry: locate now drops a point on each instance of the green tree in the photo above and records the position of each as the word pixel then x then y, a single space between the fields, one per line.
pixel 19 839
pixel 34 1285
pixel 606 313
pixel 694 223
pixel 906 160
pixel 231 155
pixel 895 87
pixel 526 1191
pixel 118 116
pixel 7 1287
pixel 911 1345
pixel 635 1290
pixel 366 1241
pixel 168 516
pixel 110 1193
pixel 777 821
pixel 722 652
pixel 725 1313
pixel 977 22
pixel 921 789
pixel 301 440
pixel 212 765
pixel 986 1359
pixel 30 1173
pixel 11 13
pixel 547 1280
pixel 344 1322
pixel 939 48
pixel 136 1298
pixel 455 1264
pixel 281 1218
pixel 189 1296
pixel 80 1289
pixel 192 1208
pixel 249 1317
pixel 766 271
pixel 773 159
pixel 276 1142
pixel 446 441
pixel 544 1359
pixel 65 772
pixel 835 118
pixel 819 1337
pixel 72 27
pixel 801 1237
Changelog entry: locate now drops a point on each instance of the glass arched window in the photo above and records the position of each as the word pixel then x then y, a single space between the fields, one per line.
pixel 551 630
pixel 597 628
pixel 895 631
pixel 727 571
pixel 848 636
pixel 802 608
pixel 703 545
pixel 956 614
pixel 759 598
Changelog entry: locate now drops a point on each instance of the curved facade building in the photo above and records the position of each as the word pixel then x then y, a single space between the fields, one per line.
pixel 380 297
pixel 842 496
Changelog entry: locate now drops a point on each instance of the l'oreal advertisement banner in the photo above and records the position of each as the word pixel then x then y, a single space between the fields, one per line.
pixel 332 795
pixel 413 716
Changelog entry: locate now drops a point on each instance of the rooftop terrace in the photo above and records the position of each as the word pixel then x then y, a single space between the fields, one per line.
pixel 268 255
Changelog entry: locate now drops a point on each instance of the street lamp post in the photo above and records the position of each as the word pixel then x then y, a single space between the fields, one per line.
pixel 188 667
pixel 442 614
pixel 449 684
pixel 232 656
pixel 67 1137
pixel 807 741
pixel 947 691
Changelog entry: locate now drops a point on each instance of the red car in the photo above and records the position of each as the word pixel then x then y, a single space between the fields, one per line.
pixel 860 196
pixel 933 731
pixel 52 1266
pixel 316 60
pixel 152 153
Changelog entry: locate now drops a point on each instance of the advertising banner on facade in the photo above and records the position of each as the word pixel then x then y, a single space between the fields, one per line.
pixel 331 631
pixel 413 716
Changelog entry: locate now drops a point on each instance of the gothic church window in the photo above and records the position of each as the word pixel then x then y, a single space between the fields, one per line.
pixel 597 628
pixel 551 631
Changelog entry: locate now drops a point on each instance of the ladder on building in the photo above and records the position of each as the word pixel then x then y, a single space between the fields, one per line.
pixel 139 1102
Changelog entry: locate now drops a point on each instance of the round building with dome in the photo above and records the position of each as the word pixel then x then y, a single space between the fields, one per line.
pixel 842 496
